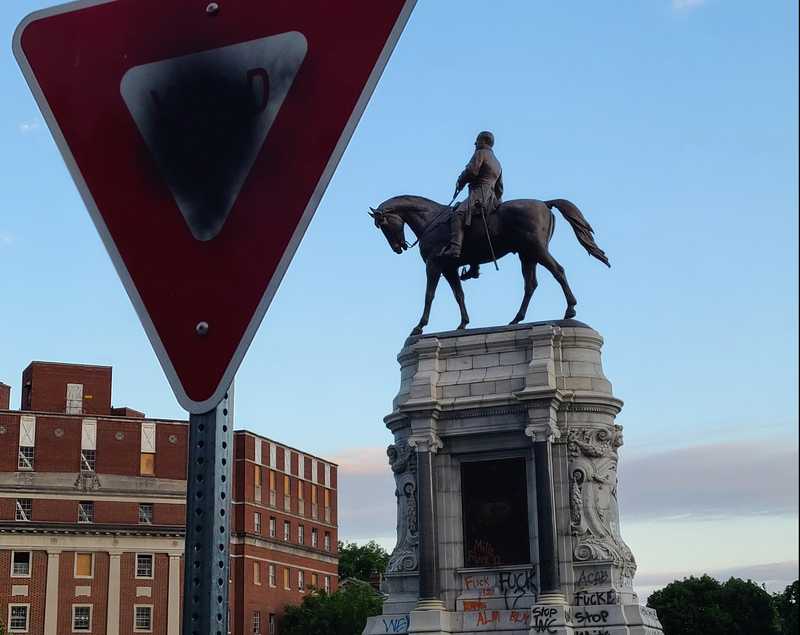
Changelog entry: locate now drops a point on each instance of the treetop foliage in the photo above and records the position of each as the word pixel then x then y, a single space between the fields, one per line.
pixel 344 612
pixel 362 562
pixel 736 607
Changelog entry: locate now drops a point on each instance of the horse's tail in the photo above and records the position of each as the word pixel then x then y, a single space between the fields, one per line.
pixel 583 230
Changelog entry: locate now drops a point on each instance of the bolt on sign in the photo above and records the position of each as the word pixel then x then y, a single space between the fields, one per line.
pixel 202 137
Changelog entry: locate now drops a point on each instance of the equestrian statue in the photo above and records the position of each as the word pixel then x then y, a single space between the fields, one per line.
pixel 450 238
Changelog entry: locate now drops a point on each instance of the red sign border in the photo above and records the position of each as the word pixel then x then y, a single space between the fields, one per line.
pixel 198 407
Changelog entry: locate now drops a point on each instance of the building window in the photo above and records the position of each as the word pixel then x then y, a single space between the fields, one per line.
pixel 145 513
pixel 84 565
pixel 257 482
pixel 18 618
pixel 257 573
pixel 86 512
pixel 24 509
pixel 142 619
pixel 301 503
pixel 327 582
pixel 314 506
pixel 272 623
pixel 147 447
pixel 272 494
pixel 27 442
pixel 301 581
pixel 286 584
pixel 287 530
pixel 144 565
pixel 74 399
pixel 301 534
pixel 21 564
pixel 88 460
pixel 25 458
pixel 287 493
pixel 314 581
pixel 327 501
pixel 256 621
pixel 273 581
pixel 273 527
pixel 147 464
pixel 327 541
pixel 88 445
pixel 81 618
pixel 314 537
pixel 257 522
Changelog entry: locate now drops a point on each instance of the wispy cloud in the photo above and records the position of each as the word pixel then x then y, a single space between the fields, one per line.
pixel 366 494
pixel 28 127
pixel 741 478
pixel 685 5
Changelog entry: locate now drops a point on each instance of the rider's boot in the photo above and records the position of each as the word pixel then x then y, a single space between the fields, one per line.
pixel 453 250
pixel 474 271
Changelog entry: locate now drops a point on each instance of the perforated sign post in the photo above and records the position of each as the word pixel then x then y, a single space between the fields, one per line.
pixel 201 136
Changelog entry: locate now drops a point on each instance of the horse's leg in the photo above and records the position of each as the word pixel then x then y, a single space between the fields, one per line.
pixel 434 272
pixel 529 277
pixel 451 275
pixel 558 273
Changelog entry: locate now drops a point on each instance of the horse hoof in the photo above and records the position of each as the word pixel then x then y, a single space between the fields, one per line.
pixel 570 313
pixel 516 320
pixel 462 326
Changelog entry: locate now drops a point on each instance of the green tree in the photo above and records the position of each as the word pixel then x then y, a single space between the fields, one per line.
pixel 344 612
pixel 703 605
pixel 361 561
pixel 786 606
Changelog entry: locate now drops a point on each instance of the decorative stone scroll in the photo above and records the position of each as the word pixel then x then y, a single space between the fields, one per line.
pixel 594 511
pixel 403 460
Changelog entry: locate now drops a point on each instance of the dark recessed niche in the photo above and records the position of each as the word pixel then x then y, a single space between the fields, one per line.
pixel 494 500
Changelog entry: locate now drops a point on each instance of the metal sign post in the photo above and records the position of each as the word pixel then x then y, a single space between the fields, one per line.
pixel 208 504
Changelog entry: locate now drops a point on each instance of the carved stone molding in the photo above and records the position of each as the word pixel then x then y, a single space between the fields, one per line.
pixel 594 511
pixel 425 442
pixel 483 412
pixel 547 431
pixel 405 556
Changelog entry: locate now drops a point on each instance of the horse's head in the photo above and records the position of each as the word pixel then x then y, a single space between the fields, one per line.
pixel 391 224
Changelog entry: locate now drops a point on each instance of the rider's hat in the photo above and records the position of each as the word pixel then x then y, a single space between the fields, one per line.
pixel 486 137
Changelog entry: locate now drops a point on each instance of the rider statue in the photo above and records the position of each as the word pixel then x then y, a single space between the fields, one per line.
pixel 484 176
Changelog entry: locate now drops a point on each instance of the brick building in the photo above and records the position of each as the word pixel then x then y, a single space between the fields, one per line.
pixel 92 513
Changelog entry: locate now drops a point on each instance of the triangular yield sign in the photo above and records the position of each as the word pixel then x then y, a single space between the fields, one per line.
pixel 128 89
pixel 205 116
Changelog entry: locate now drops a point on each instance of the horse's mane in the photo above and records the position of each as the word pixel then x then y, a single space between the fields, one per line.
pixel 406 201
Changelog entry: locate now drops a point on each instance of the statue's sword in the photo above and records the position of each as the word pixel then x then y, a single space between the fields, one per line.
pixel 488 237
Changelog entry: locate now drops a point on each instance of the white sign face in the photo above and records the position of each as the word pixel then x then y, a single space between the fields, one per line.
pixel 205 118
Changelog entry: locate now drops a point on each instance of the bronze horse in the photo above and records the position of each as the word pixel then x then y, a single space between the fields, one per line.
pixel 522 226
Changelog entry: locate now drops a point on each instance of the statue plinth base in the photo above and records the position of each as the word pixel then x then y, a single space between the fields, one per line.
pixel 511 432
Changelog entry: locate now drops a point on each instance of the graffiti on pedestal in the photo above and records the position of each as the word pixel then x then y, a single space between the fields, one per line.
pixel 396 624
pixel 516 588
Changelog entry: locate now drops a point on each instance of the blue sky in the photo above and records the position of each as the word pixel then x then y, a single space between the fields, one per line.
pixel 671 124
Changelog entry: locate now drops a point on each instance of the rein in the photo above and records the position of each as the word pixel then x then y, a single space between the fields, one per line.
pixel 433 222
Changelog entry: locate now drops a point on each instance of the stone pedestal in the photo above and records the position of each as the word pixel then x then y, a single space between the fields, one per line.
pixel 505 458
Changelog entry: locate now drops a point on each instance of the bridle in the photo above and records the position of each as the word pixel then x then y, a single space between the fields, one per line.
pixel 430 226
